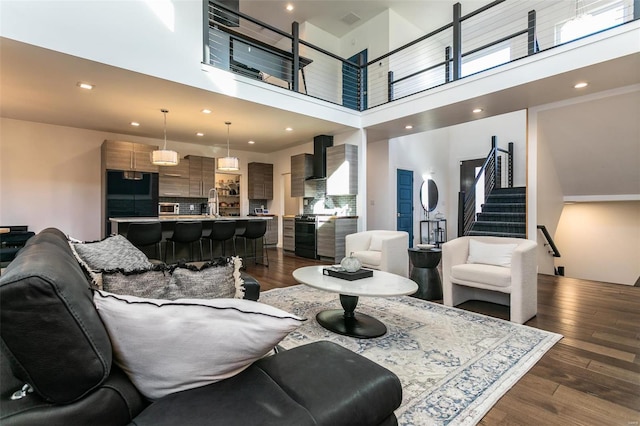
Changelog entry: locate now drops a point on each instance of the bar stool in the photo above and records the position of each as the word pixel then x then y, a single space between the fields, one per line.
pixel 144 234
pixel 185 233
pixel 222 231
pixel 255 229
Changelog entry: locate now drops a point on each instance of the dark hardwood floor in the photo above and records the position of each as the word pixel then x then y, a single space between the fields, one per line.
pixel 590 377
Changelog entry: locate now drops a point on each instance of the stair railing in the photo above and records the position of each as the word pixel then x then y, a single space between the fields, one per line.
pixel 494 177
pixel 554 249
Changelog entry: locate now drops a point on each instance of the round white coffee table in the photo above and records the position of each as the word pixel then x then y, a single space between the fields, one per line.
pixel 346 321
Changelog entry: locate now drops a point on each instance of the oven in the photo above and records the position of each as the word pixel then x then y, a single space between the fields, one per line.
pixel 305 236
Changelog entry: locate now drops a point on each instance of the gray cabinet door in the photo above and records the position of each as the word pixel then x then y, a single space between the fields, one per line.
pixel 302 168
pixel 342 170
pixel 260 181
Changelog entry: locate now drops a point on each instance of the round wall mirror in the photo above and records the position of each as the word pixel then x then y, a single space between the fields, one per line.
pixel 429 195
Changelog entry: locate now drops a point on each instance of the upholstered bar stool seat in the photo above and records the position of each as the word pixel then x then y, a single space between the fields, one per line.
pixel 185 233
pixel 222 231
pixel 144 234
pixel 255 230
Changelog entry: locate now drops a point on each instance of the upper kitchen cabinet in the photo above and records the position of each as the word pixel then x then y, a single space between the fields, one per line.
pixel 174 180
pixel 201 175
pixel 342 170
pixel 260 181
pixel 121 155
pixel 301 169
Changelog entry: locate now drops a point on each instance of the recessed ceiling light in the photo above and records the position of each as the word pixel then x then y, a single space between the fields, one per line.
pixel 85 86
pixel 135 123
pixel 477 110
pixel 408 127
pixel 206 111
pixel 581 85
pixel 251 142
pixel 289 129
pixel 289 7
pixel 199 134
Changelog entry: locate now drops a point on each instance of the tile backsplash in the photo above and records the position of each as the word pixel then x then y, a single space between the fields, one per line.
pixel 199 204
pixel 323 203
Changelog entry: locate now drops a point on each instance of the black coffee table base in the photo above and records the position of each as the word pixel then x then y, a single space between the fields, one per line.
pixel 349 323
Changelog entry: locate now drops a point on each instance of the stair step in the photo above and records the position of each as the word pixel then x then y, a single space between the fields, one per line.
pixel 492 227
pixel 501 217
pixel 496 234
pixel 504 207
pixel 514 190
pixel 507 198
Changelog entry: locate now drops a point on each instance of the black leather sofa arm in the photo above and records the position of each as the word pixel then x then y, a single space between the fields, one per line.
pixel 320 383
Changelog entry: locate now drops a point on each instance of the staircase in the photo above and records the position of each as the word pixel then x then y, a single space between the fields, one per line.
pixel 503 214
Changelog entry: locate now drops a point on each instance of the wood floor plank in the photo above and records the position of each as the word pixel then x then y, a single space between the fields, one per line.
pixel 591 377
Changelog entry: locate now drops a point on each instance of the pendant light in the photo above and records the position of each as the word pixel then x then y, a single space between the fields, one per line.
pixel 164 156
pixel 228 163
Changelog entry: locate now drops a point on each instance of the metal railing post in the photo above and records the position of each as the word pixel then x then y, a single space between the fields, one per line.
pixel 636 9
pixel 457 41
pixel 295 49
pixel 361 88
pixel 531 33
pixel 510 165
pixel 447 64
pixel 389 86
pixel 206 54
pixel 461 215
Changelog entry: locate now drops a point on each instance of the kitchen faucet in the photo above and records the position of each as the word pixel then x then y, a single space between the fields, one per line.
pixel 213 203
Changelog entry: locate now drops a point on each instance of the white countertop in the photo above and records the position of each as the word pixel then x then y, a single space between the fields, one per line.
pixel 173 218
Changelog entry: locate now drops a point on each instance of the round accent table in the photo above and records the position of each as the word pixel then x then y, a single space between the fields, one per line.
pixel 347 321
pixel 425 273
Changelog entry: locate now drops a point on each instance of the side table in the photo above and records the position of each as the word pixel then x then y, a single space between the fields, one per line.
pixel 425 273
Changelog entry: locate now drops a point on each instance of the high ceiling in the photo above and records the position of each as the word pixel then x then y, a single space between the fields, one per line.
pixel 35 86
pixel 40 85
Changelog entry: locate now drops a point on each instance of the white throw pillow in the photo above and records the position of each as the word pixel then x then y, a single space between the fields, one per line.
pixel 490 254
pixel 168 346
pixel 376 243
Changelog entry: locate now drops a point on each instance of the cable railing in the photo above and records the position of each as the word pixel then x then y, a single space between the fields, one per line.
pixel 498 33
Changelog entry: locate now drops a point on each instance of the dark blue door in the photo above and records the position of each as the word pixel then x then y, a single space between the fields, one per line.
pixel 350 83
pixel 405 203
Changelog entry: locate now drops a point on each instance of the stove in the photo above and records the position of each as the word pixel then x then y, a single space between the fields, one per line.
pixel 305 236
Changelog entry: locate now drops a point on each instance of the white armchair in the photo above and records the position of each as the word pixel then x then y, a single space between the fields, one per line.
pixel 472 273
pixel 381 250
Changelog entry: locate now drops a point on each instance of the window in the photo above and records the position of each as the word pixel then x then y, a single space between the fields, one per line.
pixel 589 22
pixel 487 61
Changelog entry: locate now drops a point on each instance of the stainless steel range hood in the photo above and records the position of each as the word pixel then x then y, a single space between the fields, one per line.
pixel 320 145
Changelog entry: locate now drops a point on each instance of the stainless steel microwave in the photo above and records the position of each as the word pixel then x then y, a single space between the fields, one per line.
pixel 168 208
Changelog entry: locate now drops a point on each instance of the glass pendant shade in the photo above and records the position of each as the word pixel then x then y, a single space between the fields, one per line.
pixel 164 156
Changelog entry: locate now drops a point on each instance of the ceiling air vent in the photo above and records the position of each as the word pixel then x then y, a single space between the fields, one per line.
pixel 350 18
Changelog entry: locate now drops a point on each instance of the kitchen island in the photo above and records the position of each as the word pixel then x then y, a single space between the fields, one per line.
pixel 120 225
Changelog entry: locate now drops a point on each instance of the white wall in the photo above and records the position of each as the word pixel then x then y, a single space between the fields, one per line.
pixel 50 175
pixel 600 241
pixel 548 206
pixel 379 204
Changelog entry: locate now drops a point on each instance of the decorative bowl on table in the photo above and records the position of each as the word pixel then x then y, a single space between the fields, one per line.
pixel 425 246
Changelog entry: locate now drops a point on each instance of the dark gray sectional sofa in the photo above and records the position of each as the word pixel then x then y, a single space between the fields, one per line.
pixel 53 339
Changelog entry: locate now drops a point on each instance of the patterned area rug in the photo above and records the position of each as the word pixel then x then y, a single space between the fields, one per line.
pixel 454 365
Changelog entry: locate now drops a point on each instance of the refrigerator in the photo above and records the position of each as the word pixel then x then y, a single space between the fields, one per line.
pixel 130 194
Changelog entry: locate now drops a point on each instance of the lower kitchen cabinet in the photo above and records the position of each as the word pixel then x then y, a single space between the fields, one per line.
pixel 331 236
pixel 288 233
pixel 271 237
